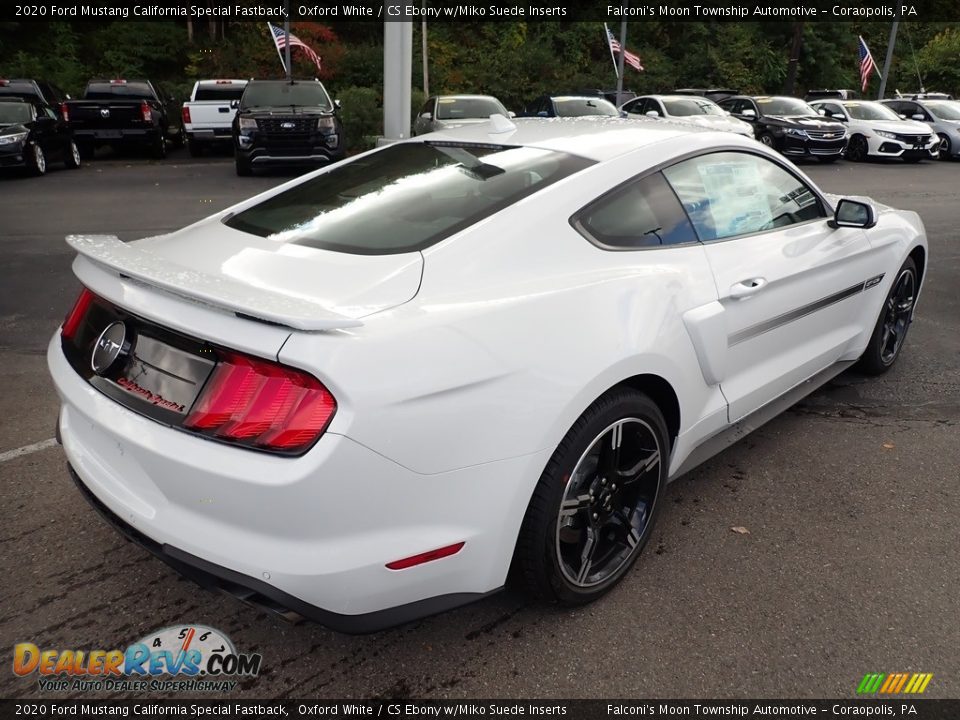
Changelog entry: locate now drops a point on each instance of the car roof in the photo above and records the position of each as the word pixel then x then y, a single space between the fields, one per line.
pixel 695 98
pixel 465 96
pixel 595 137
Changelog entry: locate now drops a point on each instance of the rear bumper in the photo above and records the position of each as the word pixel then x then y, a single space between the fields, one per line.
pixel 311 534
pixel 104 135
pixel 210 135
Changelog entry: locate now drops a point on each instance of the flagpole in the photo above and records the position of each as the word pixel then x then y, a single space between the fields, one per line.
pixel 274 38
pixel 886 63
pixel 286 48
pixel 613 59
pixel 623 52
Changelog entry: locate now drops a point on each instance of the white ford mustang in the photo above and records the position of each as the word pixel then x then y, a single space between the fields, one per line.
pixel 361 396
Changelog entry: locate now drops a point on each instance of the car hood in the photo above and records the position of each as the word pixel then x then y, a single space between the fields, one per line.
pixel 14 129
pixel 804 122
pixel 264 111
pixel 349 285
pixel 899 126
pixel 457 122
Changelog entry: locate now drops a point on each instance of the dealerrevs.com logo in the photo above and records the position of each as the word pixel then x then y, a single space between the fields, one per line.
pixel 180 658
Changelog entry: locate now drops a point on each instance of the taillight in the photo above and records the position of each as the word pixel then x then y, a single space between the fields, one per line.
pixel 72 322
pixel 185 113
pixel 262 404
pixel 64 112
pixel 145 111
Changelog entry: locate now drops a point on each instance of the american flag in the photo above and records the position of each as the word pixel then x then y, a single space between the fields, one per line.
pixel 280 38
pixel 867 65
pixel 629 58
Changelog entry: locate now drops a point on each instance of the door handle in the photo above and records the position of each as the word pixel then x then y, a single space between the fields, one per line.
pixel 746 288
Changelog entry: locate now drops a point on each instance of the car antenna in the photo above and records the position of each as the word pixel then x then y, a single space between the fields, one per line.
pixel 500 124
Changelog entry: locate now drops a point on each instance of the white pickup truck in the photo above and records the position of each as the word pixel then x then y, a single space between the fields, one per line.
pixel 208 115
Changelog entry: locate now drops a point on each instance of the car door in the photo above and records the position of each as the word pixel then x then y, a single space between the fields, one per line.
pixel 791 286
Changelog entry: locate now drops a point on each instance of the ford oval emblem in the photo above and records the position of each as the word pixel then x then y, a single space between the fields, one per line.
pixel 288 125
pixel 110 347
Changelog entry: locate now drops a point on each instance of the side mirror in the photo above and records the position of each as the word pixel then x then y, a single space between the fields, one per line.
pixel 901 116
pixel 652 113
pixel 854 213
pixel 822 111
pixel 234 104
pixel 511 113
pixel 337 105
pixel 426 116
pixel 918 116
pixel 749 113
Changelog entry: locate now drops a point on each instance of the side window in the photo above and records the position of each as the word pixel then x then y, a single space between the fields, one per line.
pixel 730 193
pixel 655 106
pixel 48 111
pixel 644 213
pixel 634 107
pixel 832 109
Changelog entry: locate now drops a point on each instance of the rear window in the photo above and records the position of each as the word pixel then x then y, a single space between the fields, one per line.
pixel 113 91
pixel 224 92
pixel 405 197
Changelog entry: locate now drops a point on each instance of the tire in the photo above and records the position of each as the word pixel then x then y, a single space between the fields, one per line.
pixel 72 156
pixel 37 164
pixel 767 139
pixel 890 332
pixel 576 510
pixel 945 147
pixel 857 149
pixel 243 167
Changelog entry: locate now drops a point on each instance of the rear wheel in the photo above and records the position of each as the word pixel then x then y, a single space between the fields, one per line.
pixel 37 162
pixel 857 149
pixel 890 332
pixel 594 507
pixel 72 156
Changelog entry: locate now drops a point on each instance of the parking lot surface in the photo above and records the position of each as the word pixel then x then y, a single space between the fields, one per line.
pixel 850 500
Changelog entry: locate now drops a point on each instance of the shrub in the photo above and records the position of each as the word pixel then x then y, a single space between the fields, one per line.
pixel 362 117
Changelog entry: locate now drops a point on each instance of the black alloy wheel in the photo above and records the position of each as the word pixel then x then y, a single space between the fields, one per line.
pixel 858 149
pixel 890 332
pixel 594 507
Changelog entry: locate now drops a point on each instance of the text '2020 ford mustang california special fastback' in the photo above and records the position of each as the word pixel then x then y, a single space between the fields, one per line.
pixel 365 394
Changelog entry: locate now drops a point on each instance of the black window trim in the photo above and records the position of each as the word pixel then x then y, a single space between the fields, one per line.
pixel 577 224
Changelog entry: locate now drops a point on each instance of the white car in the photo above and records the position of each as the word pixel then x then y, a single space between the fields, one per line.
pixel 442 111
pixel 877 131
pixel 361 395
pixel 686 109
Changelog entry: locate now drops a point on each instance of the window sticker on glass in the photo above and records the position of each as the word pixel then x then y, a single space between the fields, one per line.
pixel 744 207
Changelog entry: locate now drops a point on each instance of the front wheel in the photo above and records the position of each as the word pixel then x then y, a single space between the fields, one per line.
pixel 767 139
pixel 858 149
pixel 37 163
pixel 594 506
pixel 890 332
pixel 945 148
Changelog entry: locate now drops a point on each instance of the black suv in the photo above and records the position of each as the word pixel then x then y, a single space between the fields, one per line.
pixel 789 125
pixel 286 123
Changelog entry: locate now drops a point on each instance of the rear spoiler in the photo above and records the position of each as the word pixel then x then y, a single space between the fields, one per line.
pixel 109 252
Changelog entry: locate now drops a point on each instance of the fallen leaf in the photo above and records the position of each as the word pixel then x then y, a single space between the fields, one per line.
pixel 740 530
pixel 889 445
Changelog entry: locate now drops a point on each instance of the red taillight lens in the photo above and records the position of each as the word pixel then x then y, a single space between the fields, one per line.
pixel 262 404
pixel 72 322
pixel 428 556
pixel 185 113
pixel 145 111
pixel 64 112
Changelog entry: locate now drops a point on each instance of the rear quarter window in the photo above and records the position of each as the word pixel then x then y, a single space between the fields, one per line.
pixel 405 197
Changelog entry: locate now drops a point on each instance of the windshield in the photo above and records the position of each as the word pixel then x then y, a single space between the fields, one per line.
pixel 685 107
pixel 14 113
pixel 123 91
pixel 944 109
pixel 869 111
pixel 578 107
pixel 784 106
pixel 272 94
pixel 223 92
pixel 404 197
pixel 459 108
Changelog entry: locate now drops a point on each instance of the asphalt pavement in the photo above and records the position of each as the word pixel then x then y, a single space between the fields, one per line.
pixel 850 499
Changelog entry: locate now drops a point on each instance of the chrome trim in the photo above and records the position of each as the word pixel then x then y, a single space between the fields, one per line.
pixel 773 323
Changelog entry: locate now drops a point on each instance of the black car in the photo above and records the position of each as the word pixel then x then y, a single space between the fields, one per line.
pixel 549 106
pixel 286 123
pixel 122 112
pixel 38 91
pixel 32 135
pixel 789 125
